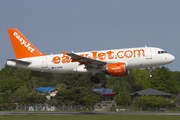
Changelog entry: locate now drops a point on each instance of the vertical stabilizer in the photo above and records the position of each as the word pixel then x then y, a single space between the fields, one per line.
pixel 22 47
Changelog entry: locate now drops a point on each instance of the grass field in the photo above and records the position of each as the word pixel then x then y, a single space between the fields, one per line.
pixel 89 117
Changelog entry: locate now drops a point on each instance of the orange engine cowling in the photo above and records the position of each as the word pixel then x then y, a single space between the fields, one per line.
pixel 116 69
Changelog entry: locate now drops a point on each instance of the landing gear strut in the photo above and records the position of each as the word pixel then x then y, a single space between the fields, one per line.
pixel 95 79
pixel 150 75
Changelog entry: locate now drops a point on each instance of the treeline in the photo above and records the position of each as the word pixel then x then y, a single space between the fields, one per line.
pixel 18 86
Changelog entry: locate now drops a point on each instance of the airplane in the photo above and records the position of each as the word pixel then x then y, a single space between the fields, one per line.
pixel 115 62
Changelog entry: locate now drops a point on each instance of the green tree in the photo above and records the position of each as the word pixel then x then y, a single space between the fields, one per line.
pixel 116 83
pixel 33 83
pixel 121 87
pixel 124 97
pixel 11 84
pixel 61 87
pixel 91 98
pixel 7 72
pixel 150 101
pixel 177 78
pixel 141 80
pixel 164 80
pixel 20 95
pixel 36 98
pixel 73 89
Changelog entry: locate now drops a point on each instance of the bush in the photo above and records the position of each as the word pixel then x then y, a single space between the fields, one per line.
pixel 6 106
pixel 150 101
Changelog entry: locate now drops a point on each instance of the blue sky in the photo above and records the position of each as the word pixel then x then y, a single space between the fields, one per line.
pixel 82 25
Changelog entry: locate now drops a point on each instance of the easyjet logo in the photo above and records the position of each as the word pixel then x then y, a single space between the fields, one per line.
pixel 116 68
pixel 109 55
pixel 115 54
pixel 23 42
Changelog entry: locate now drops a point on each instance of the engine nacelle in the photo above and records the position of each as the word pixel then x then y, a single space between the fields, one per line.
pixel 116 69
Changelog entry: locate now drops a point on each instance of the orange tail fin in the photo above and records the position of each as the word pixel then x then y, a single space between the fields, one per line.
pixel 22 47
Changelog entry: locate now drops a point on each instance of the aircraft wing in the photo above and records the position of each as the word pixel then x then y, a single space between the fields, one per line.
pixel 88 62
pixel 20 61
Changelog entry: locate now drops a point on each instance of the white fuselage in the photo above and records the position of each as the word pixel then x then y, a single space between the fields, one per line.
pixel 133 58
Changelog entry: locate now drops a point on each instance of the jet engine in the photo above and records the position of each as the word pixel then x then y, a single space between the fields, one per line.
pixel 116 69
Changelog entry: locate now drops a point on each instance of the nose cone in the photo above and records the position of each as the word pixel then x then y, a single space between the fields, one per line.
pixel 170 58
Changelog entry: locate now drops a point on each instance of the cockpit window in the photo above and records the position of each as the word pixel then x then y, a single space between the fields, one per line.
pixel 161 52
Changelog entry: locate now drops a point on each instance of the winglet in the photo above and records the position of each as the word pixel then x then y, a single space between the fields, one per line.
pixel 64 53
pixel 22 47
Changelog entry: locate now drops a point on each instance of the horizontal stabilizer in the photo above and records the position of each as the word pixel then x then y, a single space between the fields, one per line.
pixel 20 61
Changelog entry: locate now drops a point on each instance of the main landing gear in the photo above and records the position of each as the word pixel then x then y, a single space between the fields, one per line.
pixel 95 79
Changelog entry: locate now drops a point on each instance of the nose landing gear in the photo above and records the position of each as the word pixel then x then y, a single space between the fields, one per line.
pixel 150 75
pixel 149 69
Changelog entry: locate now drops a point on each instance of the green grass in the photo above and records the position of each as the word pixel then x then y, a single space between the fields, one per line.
pixel 89 117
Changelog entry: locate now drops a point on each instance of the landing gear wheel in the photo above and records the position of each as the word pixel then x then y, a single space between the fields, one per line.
pixel 150 76
pixel 95 79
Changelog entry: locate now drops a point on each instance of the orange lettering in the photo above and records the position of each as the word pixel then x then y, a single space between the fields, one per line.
pixel 119 55
pixel 86 55
pixel 139 52
pixel 94 55
pixel 109 53
pixel 56 60
pixel 65 59
pixel 130 55
pixel 101 56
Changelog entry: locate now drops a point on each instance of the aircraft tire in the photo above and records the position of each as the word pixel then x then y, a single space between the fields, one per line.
pixel 150 76
pixel 95 79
